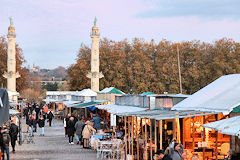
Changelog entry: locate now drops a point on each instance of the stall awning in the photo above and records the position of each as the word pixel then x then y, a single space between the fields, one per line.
pixel 181 114
pixel 51 100
pixel 143 113
pixel 119 109
pixel 88 104
pixel 230 126
pixel 69 103
pixel 166 114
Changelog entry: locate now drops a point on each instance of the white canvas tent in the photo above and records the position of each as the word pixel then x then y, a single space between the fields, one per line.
pixel 222 95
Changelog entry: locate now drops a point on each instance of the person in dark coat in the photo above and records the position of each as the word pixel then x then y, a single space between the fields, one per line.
pixel 30 123
pixel 35 121
pixel 13 132
pixel 41 124
pixel 71 130
pixel 50 117
pixel 37 110
pixel 5 142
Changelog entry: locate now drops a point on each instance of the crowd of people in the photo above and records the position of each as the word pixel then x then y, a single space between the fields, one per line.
pixel 36 115
pixel 80 128
pixel 8 135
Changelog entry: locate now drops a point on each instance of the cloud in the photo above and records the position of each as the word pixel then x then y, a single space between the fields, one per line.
pixel 50 32
pixel 210 9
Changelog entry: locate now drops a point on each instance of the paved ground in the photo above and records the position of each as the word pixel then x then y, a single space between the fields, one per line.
pixel 53 146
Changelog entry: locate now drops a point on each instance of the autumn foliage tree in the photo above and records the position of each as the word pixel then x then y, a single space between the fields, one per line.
pixel 141 66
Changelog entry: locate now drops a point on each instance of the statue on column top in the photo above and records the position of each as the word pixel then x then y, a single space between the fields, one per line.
pixel 11 21
pixel 95 21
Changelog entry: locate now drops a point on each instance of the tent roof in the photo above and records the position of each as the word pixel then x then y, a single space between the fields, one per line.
pixel 230 126
pixel 86 92
pixel 51 100
pixel 119 109
pixel 147 93
pixel 88 104
pixel 222 95
pixel 111 90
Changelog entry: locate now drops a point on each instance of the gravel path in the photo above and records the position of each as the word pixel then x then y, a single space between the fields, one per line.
pixel 53 146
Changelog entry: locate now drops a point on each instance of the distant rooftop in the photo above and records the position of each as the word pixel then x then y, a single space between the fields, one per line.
pixel 111 90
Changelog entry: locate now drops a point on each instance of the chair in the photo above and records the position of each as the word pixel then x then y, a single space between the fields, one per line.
pixel 106 151
pixel 224 149
pixel 99 150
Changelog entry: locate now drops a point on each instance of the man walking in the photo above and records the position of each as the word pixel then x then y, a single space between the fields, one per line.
pixel 71 130
pixel 50 117
pixel 79 127
pixel 13 132
pixel 41 124
pixel 96 122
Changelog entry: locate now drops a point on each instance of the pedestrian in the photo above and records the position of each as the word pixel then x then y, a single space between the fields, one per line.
pixel 27 121
pixel 35 121
pixel 41 124
pixel 79 127
pixel 50 117
pixel 30 123
pixel 159 155
pixel 5 142
pixel 176 150
pixel 37 110
pixel 71 130
pixel 86 134
pixel 97 122
pixel 13 132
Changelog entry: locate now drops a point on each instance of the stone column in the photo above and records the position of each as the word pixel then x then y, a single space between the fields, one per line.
pixel 11 73
pixel 95 75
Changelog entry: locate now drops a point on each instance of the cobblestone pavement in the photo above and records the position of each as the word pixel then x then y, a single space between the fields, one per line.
pixel 53 146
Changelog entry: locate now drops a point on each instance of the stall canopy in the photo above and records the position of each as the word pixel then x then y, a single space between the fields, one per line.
pixel 88 104
pixel 119 109
pixel 49 100
pixel 222 95
pixel 166 114
pixel 111 90
pixel 70 102
pixel 230 126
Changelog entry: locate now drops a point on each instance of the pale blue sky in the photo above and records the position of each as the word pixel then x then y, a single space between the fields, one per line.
pixel 50 31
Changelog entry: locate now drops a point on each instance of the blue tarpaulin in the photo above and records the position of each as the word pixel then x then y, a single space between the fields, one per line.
pixel 93 109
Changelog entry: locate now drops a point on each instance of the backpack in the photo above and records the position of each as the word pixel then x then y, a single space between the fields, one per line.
pixel 5 138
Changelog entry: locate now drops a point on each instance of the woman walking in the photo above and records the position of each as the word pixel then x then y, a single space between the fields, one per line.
pixel 86 134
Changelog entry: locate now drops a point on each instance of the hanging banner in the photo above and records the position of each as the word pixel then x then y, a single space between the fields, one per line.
pixel 4 106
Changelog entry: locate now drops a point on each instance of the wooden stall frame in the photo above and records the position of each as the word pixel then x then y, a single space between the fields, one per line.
pixel 137 138
pixel 146 156
pixel 125 124
pixel 151 138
